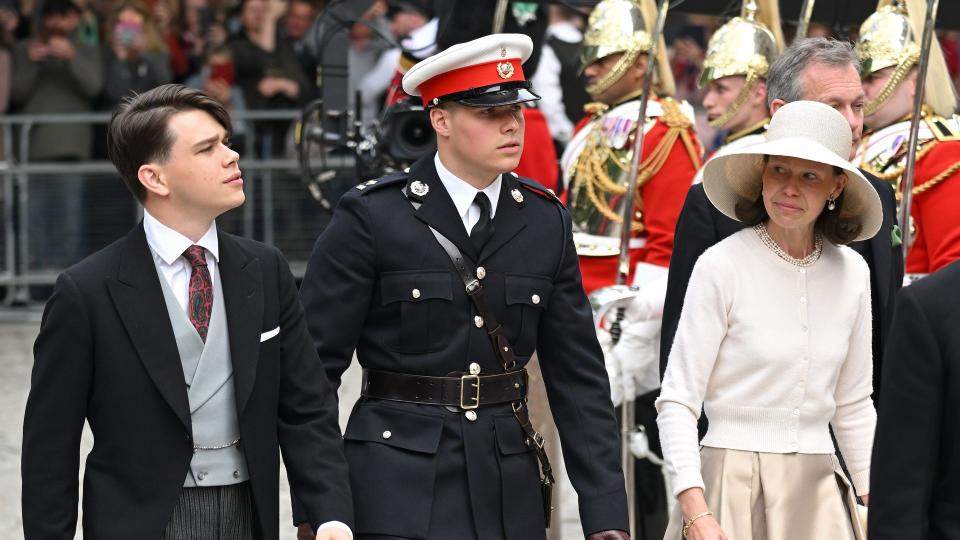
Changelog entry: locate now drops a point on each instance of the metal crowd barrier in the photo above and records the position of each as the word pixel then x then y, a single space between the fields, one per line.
pixel 279 209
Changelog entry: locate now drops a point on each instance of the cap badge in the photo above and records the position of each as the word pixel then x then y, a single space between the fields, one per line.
pixel 505 70
pixel 517 196
pixel 419 188
pixel 503 52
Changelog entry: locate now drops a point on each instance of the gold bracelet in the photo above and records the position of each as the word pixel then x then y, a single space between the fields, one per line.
pixel 687 524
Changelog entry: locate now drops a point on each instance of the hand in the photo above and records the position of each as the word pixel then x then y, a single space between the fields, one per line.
pixel 706 528
pixel 865 499
pixel 218 90
pixel 305 532
pixel 609 535
pixel 333 533
pixel 271 86
pixel 38 51
pixel 276 9
pixel 61 47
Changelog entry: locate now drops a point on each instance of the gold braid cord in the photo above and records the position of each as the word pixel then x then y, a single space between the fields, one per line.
pixel 936 179
pixel 748 85
pixel 907 61
pixel 893 175
pixel 594 163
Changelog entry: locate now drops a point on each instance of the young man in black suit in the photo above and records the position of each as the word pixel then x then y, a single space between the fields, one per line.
pixel 914 474
pixel 185 349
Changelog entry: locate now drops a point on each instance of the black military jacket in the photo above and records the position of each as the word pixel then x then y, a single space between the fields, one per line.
pixel 379 282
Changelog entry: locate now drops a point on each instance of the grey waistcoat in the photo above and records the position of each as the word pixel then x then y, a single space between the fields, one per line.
pixel 208 373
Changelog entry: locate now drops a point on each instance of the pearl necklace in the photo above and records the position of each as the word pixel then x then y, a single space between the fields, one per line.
pixel 761 230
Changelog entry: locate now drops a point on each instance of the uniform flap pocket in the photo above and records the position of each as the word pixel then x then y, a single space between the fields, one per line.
pixel 394 427
pixel 416 286
pixel 510 437
pixel 527 289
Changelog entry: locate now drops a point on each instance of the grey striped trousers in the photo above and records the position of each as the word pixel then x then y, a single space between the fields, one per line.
pixel 213 513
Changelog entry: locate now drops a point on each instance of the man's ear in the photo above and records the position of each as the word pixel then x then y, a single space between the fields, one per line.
pixel 152 178
pixel 775 105
pixel 440 120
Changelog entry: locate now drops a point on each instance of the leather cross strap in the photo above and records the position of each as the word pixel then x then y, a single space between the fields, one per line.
pixel 504 351
pixel 466 392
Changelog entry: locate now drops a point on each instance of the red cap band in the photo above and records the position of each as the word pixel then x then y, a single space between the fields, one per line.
pixel 475 76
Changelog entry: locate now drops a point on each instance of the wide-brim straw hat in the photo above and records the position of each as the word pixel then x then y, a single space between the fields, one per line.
pixel 802 129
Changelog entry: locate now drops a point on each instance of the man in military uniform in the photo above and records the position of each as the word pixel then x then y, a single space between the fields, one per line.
pixel 735 74
pixel 889 51
pixel 596 166
pixel 597 160
pixel 435 444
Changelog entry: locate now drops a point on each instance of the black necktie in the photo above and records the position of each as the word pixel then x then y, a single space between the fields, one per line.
pixel 483 229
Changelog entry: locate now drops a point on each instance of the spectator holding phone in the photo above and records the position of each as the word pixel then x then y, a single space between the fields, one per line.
pixel 266 68
pixel 217 79
pixel 57 73
pixel 137 57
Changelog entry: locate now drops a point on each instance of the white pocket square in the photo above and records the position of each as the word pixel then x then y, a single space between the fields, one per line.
pixel 271 334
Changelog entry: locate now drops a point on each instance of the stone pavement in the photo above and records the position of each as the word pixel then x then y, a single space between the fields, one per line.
pixel 17 332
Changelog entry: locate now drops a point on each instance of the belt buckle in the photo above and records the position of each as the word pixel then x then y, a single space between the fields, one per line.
pixel 474 380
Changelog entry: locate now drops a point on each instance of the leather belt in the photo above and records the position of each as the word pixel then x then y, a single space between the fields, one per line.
pixel 466 391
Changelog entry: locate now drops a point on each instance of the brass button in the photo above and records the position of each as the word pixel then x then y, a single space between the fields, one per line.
pixel 474 368
pixel 478 320
pixel 535 299
pixel 415 293
pixel 481 272
pixel 471 415
pixel 236 474
pixel 387 434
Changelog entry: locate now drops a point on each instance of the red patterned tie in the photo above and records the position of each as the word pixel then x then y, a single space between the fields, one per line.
pixel 200 302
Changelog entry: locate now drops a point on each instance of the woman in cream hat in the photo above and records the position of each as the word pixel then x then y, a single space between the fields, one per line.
pixel 774 344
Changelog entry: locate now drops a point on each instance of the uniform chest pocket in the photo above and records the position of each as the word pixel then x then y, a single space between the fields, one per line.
pixel 526 296
pixel 423 299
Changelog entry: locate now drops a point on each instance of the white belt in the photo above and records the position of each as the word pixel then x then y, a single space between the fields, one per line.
pixel 592 245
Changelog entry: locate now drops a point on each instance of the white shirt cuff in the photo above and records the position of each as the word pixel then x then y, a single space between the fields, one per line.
pixel 335 525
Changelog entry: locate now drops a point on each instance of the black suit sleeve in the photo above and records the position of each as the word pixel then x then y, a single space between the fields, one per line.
pixel 907 443
pixel 579 395
pixel 55 413
pixel 338 285
pixel 696 232
pixel 308 427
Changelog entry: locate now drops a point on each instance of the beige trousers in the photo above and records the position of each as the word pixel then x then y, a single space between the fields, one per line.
pixel 760 496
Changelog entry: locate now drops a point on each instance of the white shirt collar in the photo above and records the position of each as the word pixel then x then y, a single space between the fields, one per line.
pixel 463 193
pixel 169 245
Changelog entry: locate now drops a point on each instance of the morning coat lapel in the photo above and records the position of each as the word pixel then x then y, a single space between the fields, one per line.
pixel 509 219
pixel 437 209
pixel 137 296
pixel 243 295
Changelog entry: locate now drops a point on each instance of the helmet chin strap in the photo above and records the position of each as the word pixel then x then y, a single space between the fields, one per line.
pixel 614 75
pixel 748 86
pixel 907 61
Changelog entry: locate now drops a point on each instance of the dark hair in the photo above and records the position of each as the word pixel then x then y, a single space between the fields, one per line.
pixel 138 132
pixel 58 7
pixel 834 228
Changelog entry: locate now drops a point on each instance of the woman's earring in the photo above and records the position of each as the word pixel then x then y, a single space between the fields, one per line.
pixel 831 203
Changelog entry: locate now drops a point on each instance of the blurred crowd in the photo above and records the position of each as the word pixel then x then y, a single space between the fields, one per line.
pixel 66 56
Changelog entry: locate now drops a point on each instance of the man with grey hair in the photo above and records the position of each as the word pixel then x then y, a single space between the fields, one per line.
pixel 816 69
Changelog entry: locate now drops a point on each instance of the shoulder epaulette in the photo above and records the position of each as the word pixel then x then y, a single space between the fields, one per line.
pixel 944 128
pixel 390 179
pixel 538 188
